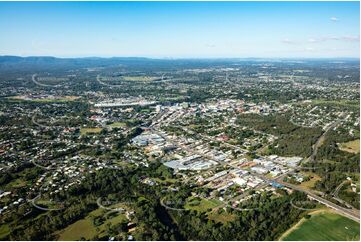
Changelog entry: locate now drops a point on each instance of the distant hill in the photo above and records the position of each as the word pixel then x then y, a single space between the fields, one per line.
pixel 49 63
pixel 43 63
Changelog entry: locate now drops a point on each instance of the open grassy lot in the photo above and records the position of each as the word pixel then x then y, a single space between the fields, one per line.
pixel 85 131
pixel 221 216
pixel 48 204
pixel 118 125
pixel 166 180
pixel 202 205
pixel 351 146
pixel 85 228
pixel 311 183
pixel 140 78
pixel 4 231
pixel 59 99
pixel 322 226
pixel 336 102
pixel 212 208
pixel 17 183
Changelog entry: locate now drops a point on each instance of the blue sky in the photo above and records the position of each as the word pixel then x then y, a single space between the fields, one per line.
pixel 180 29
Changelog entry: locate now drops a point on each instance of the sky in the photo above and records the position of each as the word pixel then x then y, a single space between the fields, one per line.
pixel 181 29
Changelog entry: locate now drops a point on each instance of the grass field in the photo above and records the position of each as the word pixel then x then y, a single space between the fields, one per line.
pixel 336 102
pixel 85 131
pixel 85 228
pixel 17 183
pixel 351 146
pixel 311 183
pixel 202 205
pixel 118 125
pixel 139 78
pixel 48 204
pixel 167 180
pixel 4 231
pixel 45 100
pixel 222 217
pixel 322 226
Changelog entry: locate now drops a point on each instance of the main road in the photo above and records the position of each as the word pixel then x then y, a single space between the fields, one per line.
pixel 353 214
pixel 320 140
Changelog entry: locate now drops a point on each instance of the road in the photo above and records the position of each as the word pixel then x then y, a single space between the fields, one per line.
pixel 38 124
pixel 167 207
pixel 107 208
pixel 42 208
pixel 337 190
pixel 320 140
pixel 106 84
pixel 353 214
pixel 33 78
pixel 350 213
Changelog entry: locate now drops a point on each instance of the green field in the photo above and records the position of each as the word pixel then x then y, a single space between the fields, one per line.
pixel 336 102
pixel 221 216
pixel 85 131
pixel 324 226
pixel 351 146
pixel 311 183
pixel 85 228
pixel 61 99
pixel 139 78
pixel 48 204
pixel 17 183
pixel 118 125
pixel 202 205
pixel 4 231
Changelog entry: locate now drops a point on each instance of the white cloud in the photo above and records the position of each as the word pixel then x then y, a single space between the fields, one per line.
pixel 288 41
pixel 351 38
pixel 311 40
pixel 210 45
pixel 334 19
pixel 348 38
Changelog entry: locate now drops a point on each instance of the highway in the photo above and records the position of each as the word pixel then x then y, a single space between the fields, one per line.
pixel 353 214
pixel 320 140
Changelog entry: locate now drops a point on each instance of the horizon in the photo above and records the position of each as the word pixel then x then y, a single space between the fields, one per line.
pixel 185 58
pixel 181 30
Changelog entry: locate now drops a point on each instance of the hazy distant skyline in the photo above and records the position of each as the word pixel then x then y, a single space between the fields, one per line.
pixel 181 29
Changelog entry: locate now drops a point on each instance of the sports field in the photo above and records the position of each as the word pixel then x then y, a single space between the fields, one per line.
pixel 324 226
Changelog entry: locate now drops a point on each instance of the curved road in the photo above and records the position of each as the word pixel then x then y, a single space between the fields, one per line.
pixel 106 84
pixel 353 214
pixel 36 123
pixel 33 78
pixel 167 207
pixel 42 208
